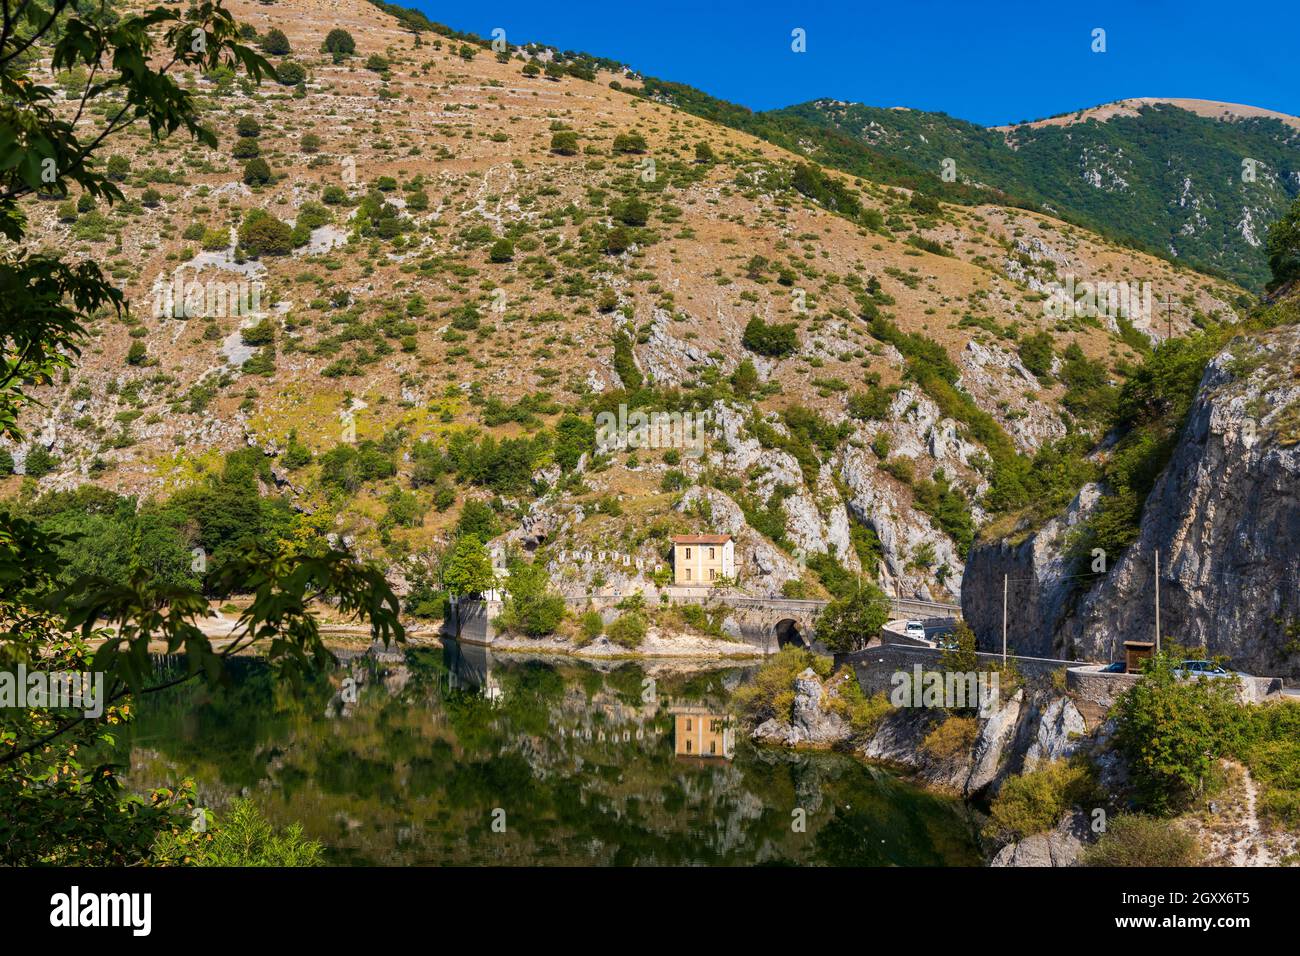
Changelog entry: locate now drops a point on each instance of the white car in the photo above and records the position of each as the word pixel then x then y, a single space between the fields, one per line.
pixel 1202 669
pixel 915 629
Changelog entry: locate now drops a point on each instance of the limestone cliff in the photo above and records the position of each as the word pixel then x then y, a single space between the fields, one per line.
pixel 1224 516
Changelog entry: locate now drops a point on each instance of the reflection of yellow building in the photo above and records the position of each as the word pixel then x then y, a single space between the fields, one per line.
pixel 702 559
pixel 701 732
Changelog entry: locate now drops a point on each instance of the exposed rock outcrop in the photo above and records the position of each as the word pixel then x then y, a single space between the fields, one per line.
pixel 1058 847
pixel 1224 515
pixel 1021 732
pixel 812 723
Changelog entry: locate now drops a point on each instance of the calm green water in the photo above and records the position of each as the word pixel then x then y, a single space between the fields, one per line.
pixel 579 763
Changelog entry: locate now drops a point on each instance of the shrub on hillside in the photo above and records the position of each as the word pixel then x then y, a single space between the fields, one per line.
pixel 1173 732
pixel 261 234
pixel 775 340
pixel 290 73
pixel 339 40
pixel 564 142
pixel 276 43
pixel 629 143
pixel 257 172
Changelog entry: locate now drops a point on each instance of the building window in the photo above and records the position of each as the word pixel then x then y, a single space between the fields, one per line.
pixel 688 574
pixel 688 723
pixel 713 746
pixel 688 746
pixel 712 555
pixel 688 554
pixel 712 574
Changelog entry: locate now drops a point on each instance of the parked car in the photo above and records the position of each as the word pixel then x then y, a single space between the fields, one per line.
pixel 915 629
pixel 1202 669
pixel 945 642
pixel 1115 667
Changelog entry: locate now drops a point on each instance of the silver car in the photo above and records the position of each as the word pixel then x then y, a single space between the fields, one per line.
pixel 1202 669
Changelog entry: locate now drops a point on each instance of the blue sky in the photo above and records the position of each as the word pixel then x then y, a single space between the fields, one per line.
pixel 986 62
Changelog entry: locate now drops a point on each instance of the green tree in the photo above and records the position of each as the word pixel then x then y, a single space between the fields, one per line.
pixel 744 380
pixel 261 234
pixel 531 606
pixel 290 73
pixel 1036 352
pixel 257 172
pixel 467 572
pixel 1283 247
pixel 339 41
pixel 775 340
pixel 961 657
pixel 629 143
pixel 848 624
pixel 1172 731
pixel 66 811
pixel 275 42
pixel 564 142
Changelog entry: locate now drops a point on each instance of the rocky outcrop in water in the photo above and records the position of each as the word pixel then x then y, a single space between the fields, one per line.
pixel 1026 729
pixel 812 722
pixel 1224 515
pixel 1058 847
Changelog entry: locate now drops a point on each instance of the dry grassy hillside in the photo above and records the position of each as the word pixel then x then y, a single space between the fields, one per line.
pixel 405 322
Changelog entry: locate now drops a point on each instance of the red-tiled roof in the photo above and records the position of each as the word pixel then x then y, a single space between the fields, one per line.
pixel 701 538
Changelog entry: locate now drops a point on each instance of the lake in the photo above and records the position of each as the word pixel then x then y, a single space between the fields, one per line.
pixel 458 756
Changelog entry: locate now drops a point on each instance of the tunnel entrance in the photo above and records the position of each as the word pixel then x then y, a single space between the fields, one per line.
pixel 787 633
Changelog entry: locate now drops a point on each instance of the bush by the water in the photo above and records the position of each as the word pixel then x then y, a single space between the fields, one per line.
pixel 1034 802
pixel 627 630
pixel 956 735
pixel 1134 839
pixel 771 693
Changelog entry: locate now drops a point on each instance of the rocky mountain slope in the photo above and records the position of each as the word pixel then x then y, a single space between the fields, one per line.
pixel 1223 515
pixel 1199 181
pixel 647 256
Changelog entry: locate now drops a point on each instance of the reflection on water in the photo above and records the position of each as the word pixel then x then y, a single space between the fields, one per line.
pixel 409 758
pixel 702 731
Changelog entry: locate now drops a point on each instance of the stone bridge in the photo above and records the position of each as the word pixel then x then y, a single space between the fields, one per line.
pixel 766 623
pixel 773 623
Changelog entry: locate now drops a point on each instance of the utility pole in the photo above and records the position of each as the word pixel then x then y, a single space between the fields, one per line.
pixel 1157 600
pixel 1004 620
pixel 1169 316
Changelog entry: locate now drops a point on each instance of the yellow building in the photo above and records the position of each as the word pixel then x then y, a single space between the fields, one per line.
pixel 702 559
pixel 700 732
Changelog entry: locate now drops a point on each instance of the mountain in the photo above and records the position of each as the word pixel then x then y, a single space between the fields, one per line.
pixel 462 259
pixel 1192 179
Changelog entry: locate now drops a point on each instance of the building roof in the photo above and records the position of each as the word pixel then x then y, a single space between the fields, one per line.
pixel 701 538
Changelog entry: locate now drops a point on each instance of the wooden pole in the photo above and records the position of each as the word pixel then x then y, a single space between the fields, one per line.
pixel 1004 620
pixel 1157 600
